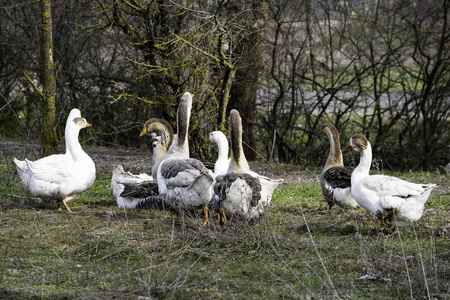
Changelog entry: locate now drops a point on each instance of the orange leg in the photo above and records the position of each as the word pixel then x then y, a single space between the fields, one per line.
pixel 205 215
pixel 65 205
pixel 221 219
pixel 387 216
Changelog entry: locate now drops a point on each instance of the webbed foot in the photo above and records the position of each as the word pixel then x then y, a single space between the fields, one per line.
pixel 387 216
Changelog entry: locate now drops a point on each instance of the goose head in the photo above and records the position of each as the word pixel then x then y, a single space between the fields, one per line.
pixel 81 122
pixel 217 137
pixel 162 138
pixel 358 142
pixel 74 113
pixel 238 163
pixel 329 130
pixel 159 128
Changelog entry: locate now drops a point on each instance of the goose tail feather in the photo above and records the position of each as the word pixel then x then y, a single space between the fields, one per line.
pixel 153 202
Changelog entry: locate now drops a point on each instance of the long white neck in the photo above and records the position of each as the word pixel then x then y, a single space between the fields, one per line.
pixel 359 174
pixel 222 144
pixel 69 137
pixel 365 161
pixel 73 147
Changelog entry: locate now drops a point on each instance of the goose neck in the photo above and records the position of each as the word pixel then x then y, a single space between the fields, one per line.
pixel 335 154
pixel 183 118
pixel 365 160
pixel 159 152
pixel 238 161
pixel 73 146
pixel 223 148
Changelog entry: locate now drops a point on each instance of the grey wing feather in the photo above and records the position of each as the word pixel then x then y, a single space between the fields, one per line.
pixel 153 202
pixel 140 190
pixel 173 168
pixel 223 183
pixel 335 177
pixel 339 177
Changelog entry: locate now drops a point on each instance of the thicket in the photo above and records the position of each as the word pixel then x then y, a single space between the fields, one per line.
pixel 287 66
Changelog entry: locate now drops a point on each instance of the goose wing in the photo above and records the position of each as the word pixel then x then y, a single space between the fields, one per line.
pixel 140 190
pixel 52 169
pixel 182 173
pixel 384 186
pixel 338 177
pixel 239 193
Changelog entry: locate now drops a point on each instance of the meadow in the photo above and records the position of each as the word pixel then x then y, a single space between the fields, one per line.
pixel 299 250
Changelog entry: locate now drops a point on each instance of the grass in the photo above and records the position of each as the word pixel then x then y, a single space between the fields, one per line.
pixel 299 250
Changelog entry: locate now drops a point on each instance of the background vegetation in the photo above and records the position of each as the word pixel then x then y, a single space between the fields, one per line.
pixel 377 67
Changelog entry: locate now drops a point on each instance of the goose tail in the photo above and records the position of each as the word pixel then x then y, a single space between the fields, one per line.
pixel 22 170
pixel 426 194
pixel 153 202
pixel 116 187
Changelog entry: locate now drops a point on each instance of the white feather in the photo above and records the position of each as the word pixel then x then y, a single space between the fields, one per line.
pixel 60 176
pixel 379 193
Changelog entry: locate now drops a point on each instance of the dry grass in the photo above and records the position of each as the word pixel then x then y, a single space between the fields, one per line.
pixel 300 250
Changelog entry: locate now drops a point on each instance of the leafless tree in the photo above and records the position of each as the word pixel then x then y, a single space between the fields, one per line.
pixel 374 69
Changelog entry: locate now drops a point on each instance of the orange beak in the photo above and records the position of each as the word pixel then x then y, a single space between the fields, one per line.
pixel 144 131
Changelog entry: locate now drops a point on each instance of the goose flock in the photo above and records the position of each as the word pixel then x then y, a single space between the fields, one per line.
pixel 231 189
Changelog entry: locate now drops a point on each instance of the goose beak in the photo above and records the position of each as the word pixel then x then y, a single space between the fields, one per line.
pixel 320 132
pixel 88 125
pixel 144 131
pixel 192 95
pixel 348 146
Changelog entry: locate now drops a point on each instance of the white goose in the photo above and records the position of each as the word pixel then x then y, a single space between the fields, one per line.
pixel 222 162
pixel 394 201
pixel 60 176
pixel 240 191
pixel 335 179
pixel 183 182
pixel 128 189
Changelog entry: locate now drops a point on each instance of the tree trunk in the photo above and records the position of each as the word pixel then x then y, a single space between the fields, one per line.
pixel 48 138
pixel 245 86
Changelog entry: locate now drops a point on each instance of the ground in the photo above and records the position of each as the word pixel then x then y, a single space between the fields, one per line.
pixel 299 250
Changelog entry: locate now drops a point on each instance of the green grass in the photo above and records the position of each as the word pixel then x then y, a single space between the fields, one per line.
pixel 299 250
